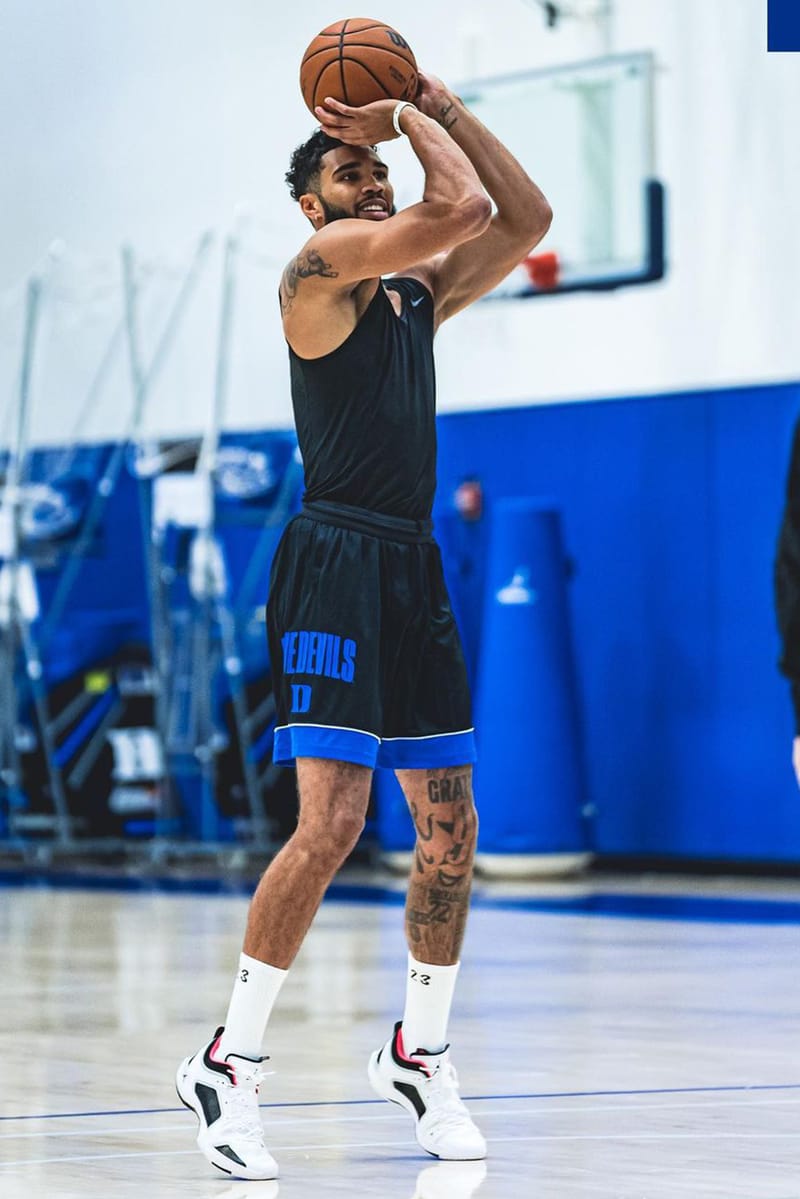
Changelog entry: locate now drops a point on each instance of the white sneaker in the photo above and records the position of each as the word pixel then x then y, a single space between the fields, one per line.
pixel 224 1097
pixel 426 1085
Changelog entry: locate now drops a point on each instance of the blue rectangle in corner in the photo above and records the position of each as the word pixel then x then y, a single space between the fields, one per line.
pixel 783 25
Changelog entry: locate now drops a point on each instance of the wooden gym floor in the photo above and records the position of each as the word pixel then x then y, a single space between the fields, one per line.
pixel 614 1042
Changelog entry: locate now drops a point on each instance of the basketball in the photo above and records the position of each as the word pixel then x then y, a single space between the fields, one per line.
pixel 357 61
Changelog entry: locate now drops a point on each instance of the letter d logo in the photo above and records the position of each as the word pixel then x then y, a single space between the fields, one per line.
pixel 301 697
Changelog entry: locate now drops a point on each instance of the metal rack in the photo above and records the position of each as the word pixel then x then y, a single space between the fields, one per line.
pixel 195 626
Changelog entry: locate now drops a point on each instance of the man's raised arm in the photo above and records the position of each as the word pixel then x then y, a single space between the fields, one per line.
pixel 454 207
pixel 523 214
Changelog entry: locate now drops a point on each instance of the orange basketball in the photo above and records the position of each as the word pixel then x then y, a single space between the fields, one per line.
pixel 357 61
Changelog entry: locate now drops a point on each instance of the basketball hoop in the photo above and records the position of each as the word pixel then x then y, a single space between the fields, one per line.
pixel 544 270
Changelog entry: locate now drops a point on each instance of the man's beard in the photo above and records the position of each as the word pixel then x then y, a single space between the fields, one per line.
pixel 332 213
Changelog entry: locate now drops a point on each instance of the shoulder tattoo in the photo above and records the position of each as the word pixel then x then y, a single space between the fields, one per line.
pixel 306 264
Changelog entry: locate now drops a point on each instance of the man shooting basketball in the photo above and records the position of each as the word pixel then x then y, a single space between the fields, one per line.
pixel 366 657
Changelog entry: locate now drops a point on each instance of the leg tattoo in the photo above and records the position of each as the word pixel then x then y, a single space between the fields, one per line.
pixel 441 878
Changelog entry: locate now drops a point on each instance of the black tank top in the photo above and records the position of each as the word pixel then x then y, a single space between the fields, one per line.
pixel 365 413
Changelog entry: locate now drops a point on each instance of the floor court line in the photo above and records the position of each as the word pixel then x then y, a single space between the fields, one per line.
pixel 156 1129
pixel 746 1088
pixel 363 1147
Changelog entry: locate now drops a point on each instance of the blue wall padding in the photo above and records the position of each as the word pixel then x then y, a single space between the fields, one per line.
pixel 671 507
pixel 529 775
pixel 464 546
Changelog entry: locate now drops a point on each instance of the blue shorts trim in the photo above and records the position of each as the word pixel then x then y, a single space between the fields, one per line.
pixel 440 749
pixel 324 741
pixel 366 749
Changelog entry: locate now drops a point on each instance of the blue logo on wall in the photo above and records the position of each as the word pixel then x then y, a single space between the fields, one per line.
pixel 519 590
pixel 783 25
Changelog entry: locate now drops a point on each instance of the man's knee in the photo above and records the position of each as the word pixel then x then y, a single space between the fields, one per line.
pixel 333 807
pixel 343 832
pixel 331 840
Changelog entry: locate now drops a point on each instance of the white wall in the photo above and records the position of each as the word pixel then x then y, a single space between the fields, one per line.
pixel 150 120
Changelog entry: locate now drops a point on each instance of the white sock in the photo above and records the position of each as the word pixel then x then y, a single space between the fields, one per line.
pixel 429 994
pixel 254 993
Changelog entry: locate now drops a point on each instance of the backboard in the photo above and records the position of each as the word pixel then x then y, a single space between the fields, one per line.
pixel 584 132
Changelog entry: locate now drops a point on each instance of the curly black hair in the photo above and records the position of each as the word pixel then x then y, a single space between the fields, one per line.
pixel 304 166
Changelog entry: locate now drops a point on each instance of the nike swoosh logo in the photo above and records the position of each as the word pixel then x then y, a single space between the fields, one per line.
pixel 417 302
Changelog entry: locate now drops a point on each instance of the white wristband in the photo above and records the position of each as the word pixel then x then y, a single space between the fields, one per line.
pixel 398 108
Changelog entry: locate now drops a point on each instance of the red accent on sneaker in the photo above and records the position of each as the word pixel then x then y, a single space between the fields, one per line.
pixel 401 1052
pixel 228 1068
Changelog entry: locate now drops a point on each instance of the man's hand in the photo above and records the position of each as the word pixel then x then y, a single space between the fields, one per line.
pixel 796 758
pixel 436 100
pixel 365 126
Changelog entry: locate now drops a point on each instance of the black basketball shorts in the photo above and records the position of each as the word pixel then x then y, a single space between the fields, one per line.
pixel 366 658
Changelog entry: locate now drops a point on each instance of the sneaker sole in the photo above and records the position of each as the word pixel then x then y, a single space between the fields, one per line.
pixel 209 1152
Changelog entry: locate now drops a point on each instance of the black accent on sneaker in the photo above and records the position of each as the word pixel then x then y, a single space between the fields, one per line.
pixel 404 1062
pixel 226 1149
pixel 208 1101
pixel 411 1092
pixel 217 1067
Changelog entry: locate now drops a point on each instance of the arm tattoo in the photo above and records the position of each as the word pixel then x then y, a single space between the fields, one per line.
pixel 447 116
pixel 303 266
